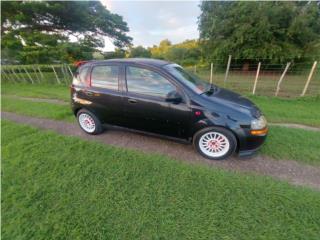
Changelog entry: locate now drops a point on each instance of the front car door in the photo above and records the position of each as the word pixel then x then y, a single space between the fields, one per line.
pixel 145 105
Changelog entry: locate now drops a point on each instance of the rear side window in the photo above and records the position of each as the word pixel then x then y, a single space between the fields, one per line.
pixel 81 76
pixel 105 77
pixel 147 82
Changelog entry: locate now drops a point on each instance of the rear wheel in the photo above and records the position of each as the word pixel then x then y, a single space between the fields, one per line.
pixel 89 122
pixel 215 143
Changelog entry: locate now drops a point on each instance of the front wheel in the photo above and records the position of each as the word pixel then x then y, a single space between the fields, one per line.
pixel 89 122
pixel 215 143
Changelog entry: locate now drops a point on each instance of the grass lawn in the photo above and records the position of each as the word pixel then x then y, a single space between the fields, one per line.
pixel 53 91
pixel 37 109
pixel 293 144
pixel 282 143
pixel 300 110
pixel 58 187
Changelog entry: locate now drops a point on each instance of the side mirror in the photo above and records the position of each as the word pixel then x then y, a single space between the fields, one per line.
pixel 174 97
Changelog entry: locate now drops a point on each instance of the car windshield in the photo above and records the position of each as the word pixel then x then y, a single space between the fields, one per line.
pixel 191 80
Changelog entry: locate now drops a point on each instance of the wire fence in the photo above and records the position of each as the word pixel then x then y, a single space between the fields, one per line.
pixel 264 79
pixel 37 74
pixel 270 80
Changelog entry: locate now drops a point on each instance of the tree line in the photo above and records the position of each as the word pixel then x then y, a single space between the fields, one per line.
pixel 43 32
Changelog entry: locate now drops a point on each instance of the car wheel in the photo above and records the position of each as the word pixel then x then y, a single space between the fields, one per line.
pixel 215 143
pixel 89 122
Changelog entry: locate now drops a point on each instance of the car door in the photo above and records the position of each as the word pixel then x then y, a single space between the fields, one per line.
pixel 105 93
pixel 145 104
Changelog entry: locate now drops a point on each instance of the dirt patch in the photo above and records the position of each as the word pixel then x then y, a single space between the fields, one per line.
pixel 291 171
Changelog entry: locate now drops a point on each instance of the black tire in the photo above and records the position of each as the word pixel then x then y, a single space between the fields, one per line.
pixel 227 152
pixel 98 128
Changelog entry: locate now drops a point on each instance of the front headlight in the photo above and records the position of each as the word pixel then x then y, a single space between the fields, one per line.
pixel 259 123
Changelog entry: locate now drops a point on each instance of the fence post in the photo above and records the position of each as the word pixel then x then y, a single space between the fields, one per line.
pixel 41 75
pixel 70 71
pixel 227 70
pixel 15 74
pixel 195 69
pixel 281 78
pixel 211 73
pixel 309 79
pixel 23 75
pixel 28 75
pixel 36 74
pixel 256 79
pixel 55 74
pixel 66 72
pixel 63 73
pixel 7 76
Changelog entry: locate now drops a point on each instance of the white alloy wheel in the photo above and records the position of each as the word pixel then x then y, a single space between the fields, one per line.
pixel 214 144
pixel 87 122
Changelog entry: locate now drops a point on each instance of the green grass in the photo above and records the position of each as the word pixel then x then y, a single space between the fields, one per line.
pixel 302 110
pixel 52 91
pixel 293 144
pixel 299 110
pixel 37 109
pixel 282 143
pixel 58 187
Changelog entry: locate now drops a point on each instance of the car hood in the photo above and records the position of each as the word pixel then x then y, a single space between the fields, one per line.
pixel 235 101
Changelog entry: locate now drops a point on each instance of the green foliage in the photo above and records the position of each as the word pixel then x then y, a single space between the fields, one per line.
pixel 40 31
pixel 277 31
pixel 58 187
pixel 138 51
pixel 117 53
pixel 185 53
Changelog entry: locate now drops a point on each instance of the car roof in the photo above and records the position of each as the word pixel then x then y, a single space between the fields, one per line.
pixel 142 61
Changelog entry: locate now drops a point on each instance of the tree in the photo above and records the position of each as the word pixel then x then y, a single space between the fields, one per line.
pixel 185 53
pixel 161 50
pixel 138 52
pixel 278 31
pixel 44 25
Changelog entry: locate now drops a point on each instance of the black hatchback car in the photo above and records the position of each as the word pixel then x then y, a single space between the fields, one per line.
pixel 162 98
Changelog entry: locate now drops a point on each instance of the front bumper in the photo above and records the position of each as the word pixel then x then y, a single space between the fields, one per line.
pixel 249 144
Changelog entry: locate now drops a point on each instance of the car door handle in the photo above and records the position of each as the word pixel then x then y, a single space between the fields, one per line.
pixel 132 101
pixel 89 93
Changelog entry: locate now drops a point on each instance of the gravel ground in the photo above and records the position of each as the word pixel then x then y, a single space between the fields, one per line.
pixel 287 170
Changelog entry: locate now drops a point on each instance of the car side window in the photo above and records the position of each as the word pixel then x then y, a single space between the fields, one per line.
pixel 104 76
pixel 144 81
pixel 80 76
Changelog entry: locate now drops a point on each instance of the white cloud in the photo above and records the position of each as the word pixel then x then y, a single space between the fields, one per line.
pixel 152 21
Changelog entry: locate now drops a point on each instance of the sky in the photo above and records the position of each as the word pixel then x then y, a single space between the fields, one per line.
pixel 152 21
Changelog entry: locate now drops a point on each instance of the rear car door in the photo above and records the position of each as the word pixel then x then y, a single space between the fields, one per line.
pixel 145 104
pixel 104 93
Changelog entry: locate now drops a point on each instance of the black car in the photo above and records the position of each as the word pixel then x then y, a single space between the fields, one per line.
pixel 162 98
